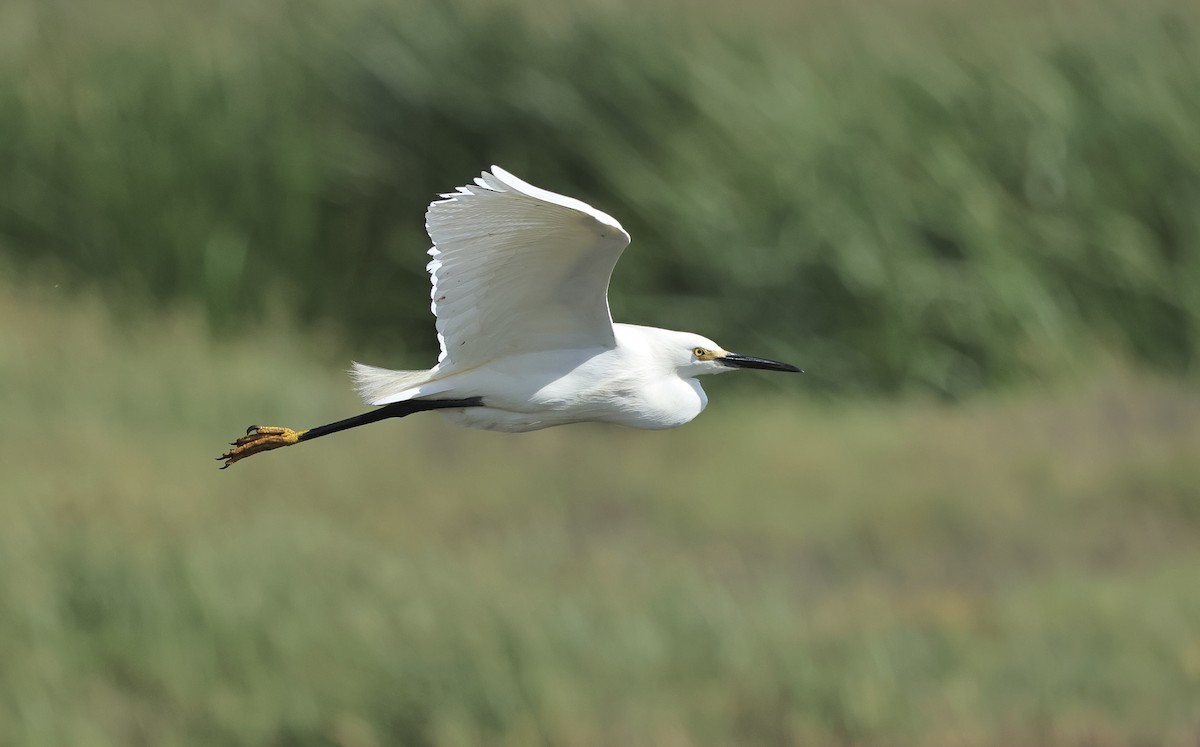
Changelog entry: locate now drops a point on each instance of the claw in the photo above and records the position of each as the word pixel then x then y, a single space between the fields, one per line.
pixel 259 438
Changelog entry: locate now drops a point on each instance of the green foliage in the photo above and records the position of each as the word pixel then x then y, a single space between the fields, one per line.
pixel 933 196
pixel 1020 571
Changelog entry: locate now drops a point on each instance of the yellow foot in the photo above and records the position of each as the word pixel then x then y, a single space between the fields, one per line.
pixel 259 438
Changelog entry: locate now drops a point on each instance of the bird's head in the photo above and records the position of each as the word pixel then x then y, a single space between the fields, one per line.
pixel 694 355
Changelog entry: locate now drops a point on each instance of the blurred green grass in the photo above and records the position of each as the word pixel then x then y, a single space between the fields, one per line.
pixel 206 209
pixel 923 196
pixel 1021 570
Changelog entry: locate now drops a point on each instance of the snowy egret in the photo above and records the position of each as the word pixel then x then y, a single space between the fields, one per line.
pixel 520 291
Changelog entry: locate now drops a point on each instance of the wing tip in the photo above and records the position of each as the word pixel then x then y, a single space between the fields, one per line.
pixel 519 185
pixel 513 182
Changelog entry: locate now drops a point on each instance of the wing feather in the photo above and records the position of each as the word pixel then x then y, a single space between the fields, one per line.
pixel 518 269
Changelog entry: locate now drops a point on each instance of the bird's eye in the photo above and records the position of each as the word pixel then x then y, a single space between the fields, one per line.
pixel 699 352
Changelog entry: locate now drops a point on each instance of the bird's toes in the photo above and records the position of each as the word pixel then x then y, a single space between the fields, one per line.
pixel 258 438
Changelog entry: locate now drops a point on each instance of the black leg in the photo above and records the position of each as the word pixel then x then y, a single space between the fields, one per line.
pixel 394 410
pixel 264 438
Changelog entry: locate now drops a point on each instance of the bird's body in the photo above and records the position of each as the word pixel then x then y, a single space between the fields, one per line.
pixel 631 384
pixel 520 281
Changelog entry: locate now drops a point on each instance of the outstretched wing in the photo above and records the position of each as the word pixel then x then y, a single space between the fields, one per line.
pixel 518 269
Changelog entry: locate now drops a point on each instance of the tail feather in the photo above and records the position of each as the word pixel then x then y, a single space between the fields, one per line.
pixel 374 384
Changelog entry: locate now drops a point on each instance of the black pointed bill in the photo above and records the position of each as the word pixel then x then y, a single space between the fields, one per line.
pixel 734 360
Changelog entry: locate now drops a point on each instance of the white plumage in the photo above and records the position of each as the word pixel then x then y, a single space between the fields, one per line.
pixel 517 269
pixel 520 282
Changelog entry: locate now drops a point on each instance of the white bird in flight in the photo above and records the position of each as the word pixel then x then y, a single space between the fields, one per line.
pixel 520 291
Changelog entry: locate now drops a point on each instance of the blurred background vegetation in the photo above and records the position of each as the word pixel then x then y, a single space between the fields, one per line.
pixel 913 195
pixel 976 225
